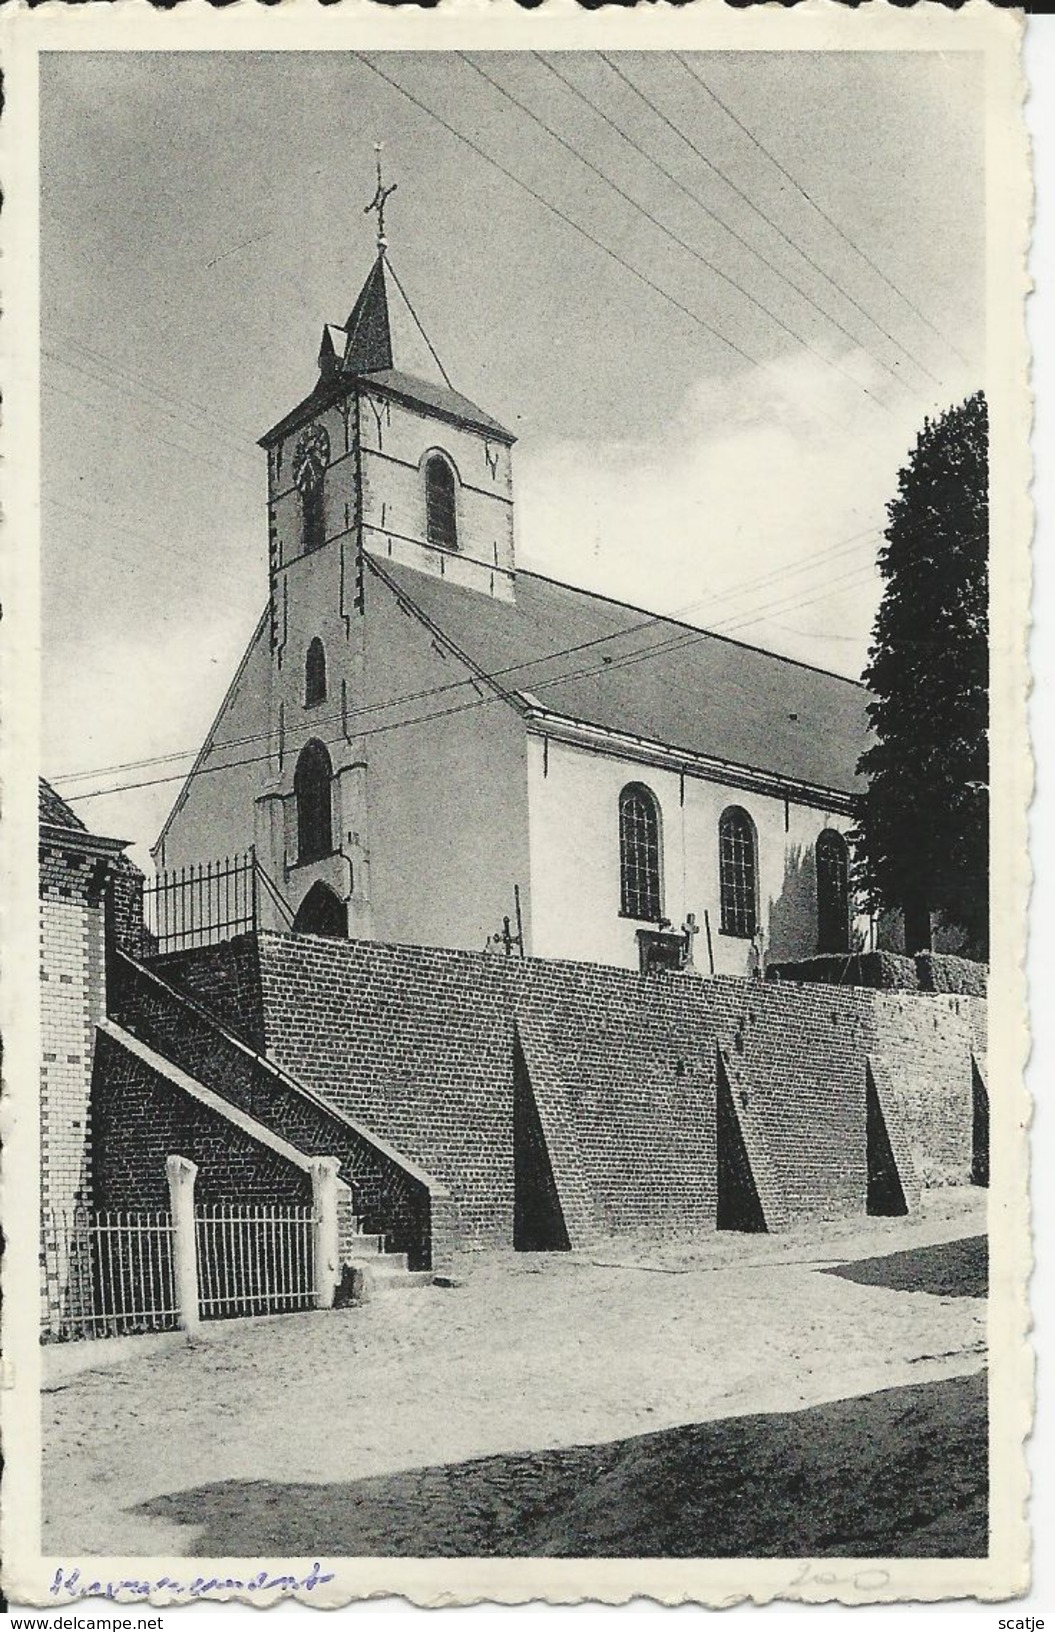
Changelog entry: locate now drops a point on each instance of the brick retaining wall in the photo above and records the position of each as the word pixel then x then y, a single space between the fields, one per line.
pixel 390 1199
pixel 419 1044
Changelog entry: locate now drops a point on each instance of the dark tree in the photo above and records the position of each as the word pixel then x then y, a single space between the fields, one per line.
pixel 922 838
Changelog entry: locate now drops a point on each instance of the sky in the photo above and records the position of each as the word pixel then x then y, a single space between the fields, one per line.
pixel 713 380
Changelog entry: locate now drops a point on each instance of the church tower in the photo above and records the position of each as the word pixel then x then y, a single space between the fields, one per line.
pixel 374 463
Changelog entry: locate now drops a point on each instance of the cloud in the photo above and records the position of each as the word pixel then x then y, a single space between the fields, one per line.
pixel 756 513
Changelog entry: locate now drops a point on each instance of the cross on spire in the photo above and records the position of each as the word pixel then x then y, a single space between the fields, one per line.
pixel 378 201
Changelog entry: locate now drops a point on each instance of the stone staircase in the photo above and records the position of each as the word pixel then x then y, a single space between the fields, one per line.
pixel 369 1268
pixel 375 1251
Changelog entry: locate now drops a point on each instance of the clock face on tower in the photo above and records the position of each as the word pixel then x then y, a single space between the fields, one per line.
pixel 311 456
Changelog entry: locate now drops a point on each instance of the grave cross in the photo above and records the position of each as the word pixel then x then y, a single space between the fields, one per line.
pixel 691 929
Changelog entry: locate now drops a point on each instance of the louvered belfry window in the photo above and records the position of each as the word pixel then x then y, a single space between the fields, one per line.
pixel 833 892
pixel 639 854
pixel 440 510
pixel 738 873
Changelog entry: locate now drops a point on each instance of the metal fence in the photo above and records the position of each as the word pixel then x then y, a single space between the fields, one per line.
pixel 255 1260
pixel 199 905
pixel 114 1274
pixel 107 1274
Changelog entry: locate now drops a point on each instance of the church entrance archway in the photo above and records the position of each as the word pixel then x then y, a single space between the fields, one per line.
pixel 322 912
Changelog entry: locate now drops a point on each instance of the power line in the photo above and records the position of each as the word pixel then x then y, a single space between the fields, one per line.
pixel 821 558
pixel 736 592
pixel 673 236
pixel 144 429
pixel 793 603
pixel 688 638
pixel 119 386
pixel 752 249
pixel 138 382
pixel 760 212
pixel 559 213
pixel 679 642
pixel 417 320
pixel 711 92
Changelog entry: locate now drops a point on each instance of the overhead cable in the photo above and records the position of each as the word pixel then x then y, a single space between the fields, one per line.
pixel 711 266
pixel 711 92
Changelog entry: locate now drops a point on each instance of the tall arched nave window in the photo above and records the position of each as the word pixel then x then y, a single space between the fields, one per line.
pixel 639 857
pixel 738 873
pixel 833 892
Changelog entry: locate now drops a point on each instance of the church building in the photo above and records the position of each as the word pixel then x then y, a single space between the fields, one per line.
pixel 425 744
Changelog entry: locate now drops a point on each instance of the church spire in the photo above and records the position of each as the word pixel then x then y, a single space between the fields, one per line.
pixel 369 344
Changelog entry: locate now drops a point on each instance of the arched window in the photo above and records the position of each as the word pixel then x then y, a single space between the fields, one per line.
pixel 311 784
pixel 833 892
pixel 639 854
pixel 315 673
pixel 738 873
pixel 313 512
pixel 441 519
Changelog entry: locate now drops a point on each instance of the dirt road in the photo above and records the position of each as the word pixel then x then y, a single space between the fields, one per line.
pixel 338 1431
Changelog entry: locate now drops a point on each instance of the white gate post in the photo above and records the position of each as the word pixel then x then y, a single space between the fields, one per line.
pixel 324 1170
pixel 181 1176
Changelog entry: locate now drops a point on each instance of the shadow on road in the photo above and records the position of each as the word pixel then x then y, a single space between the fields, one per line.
pixel 900 1473
pixel 952 1269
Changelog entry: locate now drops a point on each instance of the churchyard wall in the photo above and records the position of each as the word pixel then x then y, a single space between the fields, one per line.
pixel 419 1044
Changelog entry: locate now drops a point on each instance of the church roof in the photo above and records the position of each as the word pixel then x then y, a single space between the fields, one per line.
pixel 606 664
pixel 439 399
pixel 362 350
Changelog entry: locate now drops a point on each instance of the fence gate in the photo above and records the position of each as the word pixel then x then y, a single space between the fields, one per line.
pixel 255 1260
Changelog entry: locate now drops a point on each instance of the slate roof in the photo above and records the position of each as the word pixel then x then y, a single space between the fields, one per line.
pixel 53 811
pixel 367 355
pixel 369 343
pixel 666 682
pixel 439 398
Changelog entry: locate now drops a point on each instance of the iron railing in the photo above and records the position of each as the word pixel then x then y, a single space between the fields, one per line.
pixel 200 905
pixel 254 1260
pixel 106 1274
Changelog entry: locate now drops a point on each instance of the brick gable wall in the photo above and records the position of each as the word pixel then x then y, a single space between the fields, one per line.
pixel 141 1118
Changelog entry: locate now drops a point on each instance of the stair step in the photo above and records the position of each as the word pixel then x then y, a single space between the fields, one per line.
pixel 387 1272
pixel 385 1281
pixel 365 1246
pixel 378 1262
